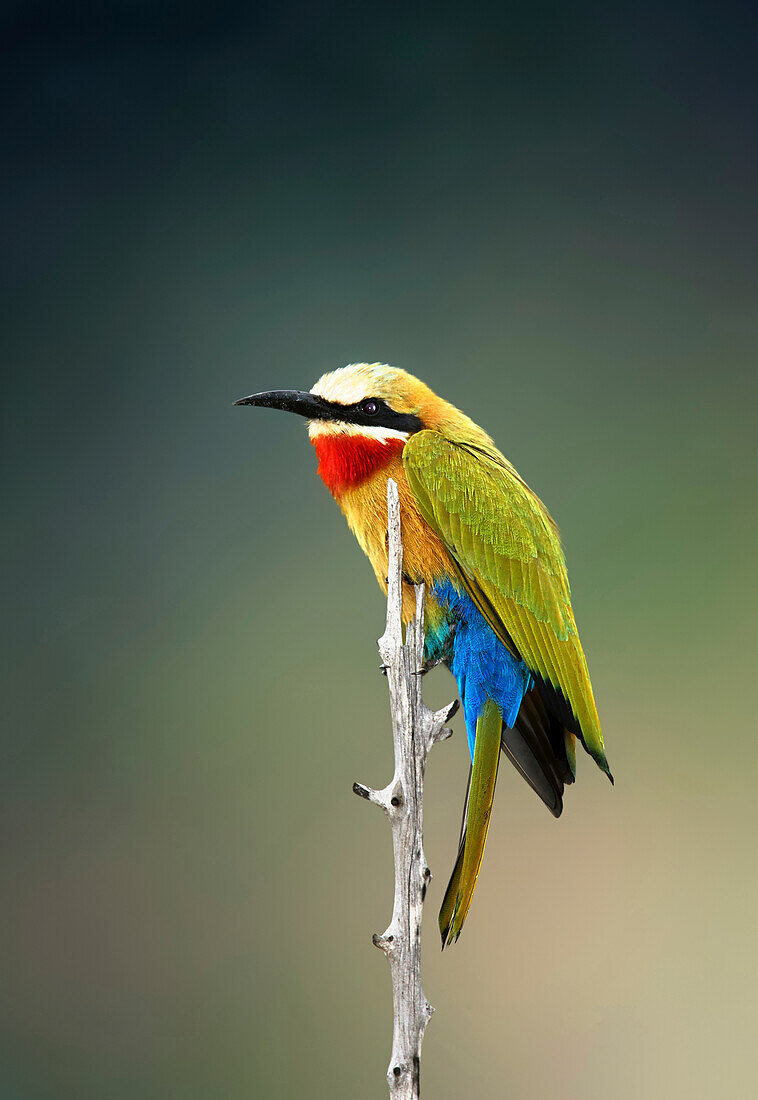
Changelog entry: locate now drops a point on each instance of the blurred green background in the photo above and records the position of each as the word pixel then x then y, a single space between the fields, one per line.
pixel 548 213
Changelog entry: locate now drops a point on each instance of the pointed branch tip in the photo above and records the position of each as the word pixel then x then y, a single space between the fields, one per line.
pixel 377 797
pixel 383 942
pixel 443 734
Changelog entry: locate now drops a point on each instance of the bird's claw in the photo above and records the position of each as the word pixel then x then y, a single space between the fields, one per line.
pixel 427 667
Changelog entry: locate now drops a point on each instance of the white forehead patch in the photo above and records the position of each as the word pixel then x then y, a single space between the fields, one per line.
pixel 349 384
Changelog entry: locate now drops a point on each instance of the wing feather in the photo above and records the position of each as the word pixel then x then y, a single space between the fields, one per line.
pixel 508 552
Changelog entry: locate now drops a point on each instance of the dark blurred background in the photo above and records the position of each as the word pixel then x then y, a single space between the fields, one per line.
pixel 548 212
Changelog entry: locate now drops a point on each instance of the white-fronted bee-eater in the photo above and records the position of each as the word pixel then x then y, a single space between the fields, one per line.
pixel 498 606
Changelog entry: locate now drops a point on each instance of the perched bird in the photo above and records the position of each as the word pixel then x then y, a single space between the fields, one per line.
pixel 498 606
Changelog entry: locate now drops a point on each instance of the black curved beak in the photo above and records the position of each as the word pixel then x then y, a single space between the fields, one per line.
pixel 294 401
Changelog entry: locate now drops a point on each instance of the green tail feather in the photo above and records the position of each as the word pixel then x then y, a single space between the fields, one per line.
pixel 447 909
pixel 460 890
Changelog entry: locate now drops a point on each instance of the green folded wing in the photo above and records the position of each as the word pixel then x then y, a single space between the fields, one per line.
pixel 508 551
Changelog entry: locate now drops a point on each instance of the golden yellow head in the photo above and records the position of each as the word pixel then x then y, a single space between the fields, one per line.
pixel 402 394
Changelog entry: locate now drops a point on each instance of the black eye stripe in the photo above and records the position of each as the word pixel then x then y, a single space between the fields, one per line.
pixel 382 415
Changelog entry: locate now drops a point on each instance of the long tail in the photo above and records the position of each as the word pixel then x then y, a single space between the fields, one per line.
pixel 460 889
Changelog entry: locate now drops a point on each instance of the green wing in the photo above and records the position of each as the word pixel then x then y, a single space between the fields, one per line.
pixel 508 551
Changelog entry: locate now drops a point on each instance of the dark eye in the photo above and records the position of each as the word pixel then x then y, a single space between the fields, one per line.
pixel 370 407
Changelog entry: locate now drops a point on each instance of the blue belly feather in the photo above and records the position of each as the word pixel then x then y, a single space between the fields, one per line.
pixel 481 664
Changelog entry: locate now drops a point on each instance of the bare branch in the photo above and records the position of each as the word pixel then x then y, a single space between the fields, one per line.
pixel 415 729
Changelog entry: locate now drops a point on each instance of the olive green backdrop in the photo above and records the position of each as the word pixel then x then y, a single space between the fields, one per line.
pixel 546 212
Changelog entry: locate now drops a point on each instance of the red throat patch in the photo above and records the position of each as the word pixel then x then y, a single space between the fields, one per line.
pixel 344 461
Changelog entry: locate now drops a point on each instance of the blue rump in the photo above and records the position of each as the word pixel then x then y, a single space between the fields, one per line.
pixel 481 664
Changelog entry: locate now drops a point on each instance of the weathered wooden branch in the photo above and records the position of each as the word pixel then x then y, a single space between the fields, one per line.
pixel 415 729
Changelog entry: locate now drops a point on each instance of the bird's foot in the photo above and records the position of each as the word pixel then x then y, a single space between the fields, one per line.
pixel 427 667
